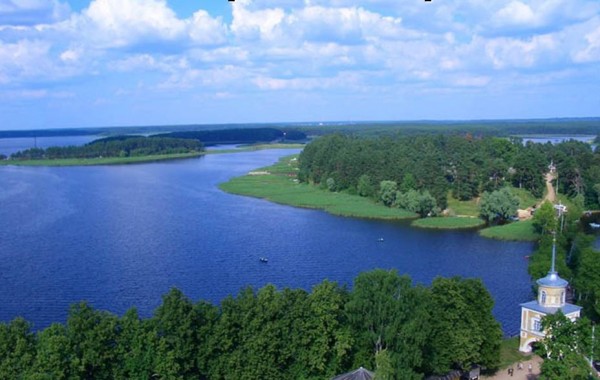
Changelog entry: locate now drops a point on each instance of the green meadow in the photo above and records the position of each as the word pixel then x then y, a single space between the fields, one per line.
pixel 100 161
pixel 522 231
pixel 448 223
pixel 281 186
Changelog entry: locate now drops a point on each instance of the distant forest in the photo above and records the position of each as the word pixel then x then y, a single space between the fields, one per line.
pixel 387 168
pixel 119 146
pixel 238 136
pixel 384 323
pixel 564 126
pixel 168 143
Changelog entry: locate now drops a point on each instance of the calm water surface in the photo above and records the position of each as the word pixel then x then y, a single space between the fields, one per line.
pixel 121 236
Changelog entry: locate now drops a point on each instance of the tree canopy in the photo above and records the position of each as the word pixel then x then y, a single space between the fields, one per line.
pixel 384 322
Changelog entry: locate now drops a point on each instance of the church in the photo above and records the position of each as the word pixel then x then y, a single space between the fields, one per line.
pixel 551 298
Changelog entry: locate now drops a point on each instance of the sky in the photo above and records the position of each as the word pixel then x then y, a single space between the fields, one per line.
pixel 81 63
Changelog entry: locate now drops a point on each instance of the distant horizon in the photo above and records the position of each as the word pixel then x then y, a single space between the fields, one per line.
pixel 314 122
pixel 90 63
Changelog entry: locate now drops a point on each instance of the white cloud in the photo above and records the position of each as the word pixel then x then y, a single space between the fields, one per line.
pixel 517 13
pixel 508 52
pixel 32 12
pixel 591 52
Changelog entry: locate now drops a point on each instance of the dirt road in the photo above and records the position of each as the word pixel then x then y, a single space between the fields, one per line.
pixel 519 374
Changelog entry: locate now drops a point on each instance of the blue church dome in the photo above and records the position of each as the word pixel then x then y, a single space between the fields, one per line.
pixel 553 280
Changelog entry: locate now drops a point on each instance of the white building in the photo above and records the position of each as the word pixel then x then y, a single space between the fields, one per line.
pixel 552 292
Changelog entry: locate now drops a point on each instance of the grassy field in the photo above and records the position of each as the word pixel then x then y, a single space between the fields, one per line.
pixel 252 148
pixel 448 223
pixel 281 186
pixel 463 208
pixel 100 161
pixel 525 197
pixel 510 354
pixel 522 231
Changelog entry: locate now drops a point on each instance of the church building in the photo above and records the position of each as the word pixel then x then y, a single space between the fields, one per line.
pixel 552 291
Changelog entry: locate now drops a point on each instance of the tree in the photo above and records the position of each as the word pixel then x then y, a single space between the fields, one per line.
pixel 464 331
pixel 387 192
pixel 330 184
pixel 498 205
pixel 365 187
pixel 53 354
pixel 564 346
pixel 544 219
pixel 386 313
pixel 17 348
pixel 408 183
pixel 92 340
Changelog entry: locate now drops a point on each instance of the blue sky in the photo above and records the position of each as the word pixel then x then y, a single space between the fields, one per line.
pixel 81 63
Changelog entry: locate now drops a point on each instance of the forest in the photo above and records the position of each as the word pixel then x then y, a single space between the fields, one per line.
pixel 239 135
pixel 428 168
pixel 118 146
pixel 385 323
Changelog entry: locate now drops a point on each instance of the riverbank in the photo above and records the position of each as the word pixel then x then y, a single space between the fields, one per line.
pixel 449 223
pixel 142 159
pixel 278 183
pixel 101 160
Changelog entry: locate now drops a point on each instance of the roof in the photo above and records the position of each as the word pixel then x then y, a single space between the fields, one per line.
pixel 359 374
pixel 567 308
pixel 553 280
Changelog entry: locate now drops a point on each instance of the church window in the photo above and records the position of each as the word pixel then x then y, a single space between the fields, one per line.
pixel 543 297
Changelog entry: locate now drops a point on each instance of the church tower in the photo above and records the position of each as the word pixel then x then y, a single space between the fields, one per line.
pixel 552 291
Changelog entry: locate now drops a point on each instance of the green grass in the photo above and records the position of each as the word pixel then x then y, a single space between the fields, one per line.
pixel 521 231
pixel 281 186
pixel 100 161
pixel 510 354
pixel 448 223
pixel 463 208
pixel 526 198
pixel 252 148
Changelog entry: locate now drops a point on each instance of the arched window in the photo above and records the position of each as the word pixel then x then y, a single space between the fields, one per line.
pixel 543 297
pixel 562 297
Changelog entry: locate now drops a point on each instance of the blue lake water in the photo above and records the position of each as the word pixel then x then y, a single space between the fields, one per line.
pixel 121 236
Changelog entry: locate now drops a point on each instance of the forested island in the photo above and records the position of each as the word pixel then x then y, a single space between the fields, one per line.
pixel 122 149
pixel 384 323
pixel 449 181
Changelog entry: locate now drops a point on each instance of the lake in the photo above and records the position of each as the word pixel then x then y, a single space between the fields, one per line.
pixel 121 236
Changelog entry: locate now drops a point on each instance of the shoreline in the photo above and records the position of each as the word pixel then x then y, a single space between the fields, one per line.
pixel 141 159
pixel 278 184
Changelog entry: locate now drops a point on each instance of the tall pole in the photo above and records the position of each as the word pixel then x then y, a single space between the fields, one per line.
pixel 592 353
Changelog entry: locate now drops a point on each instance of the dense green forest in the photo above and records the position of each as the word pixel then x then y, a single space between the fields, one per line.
pixel 239 135
pixel 562 126
pixel 384 323
pixel 418 172
pixel 118 146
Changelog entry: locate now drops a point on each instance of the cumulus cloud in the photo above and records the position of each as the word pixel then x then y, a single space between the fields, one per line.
pixel 32 12
pixel 299 45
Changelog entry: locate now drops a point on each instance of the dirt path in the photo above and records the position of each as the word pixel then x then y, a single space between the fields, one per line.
pixel 518 374
pixel 550 194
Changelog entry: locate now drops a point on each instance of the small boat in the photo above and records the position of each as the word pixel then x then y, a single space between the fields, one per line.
pixel 594 225
pixel 380 240
pixel 264 260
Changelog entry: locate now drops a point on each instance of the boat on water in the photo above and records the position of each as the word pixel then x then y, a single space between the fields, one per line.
pixel 380 240
pixel 594 225
pixel 264 260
